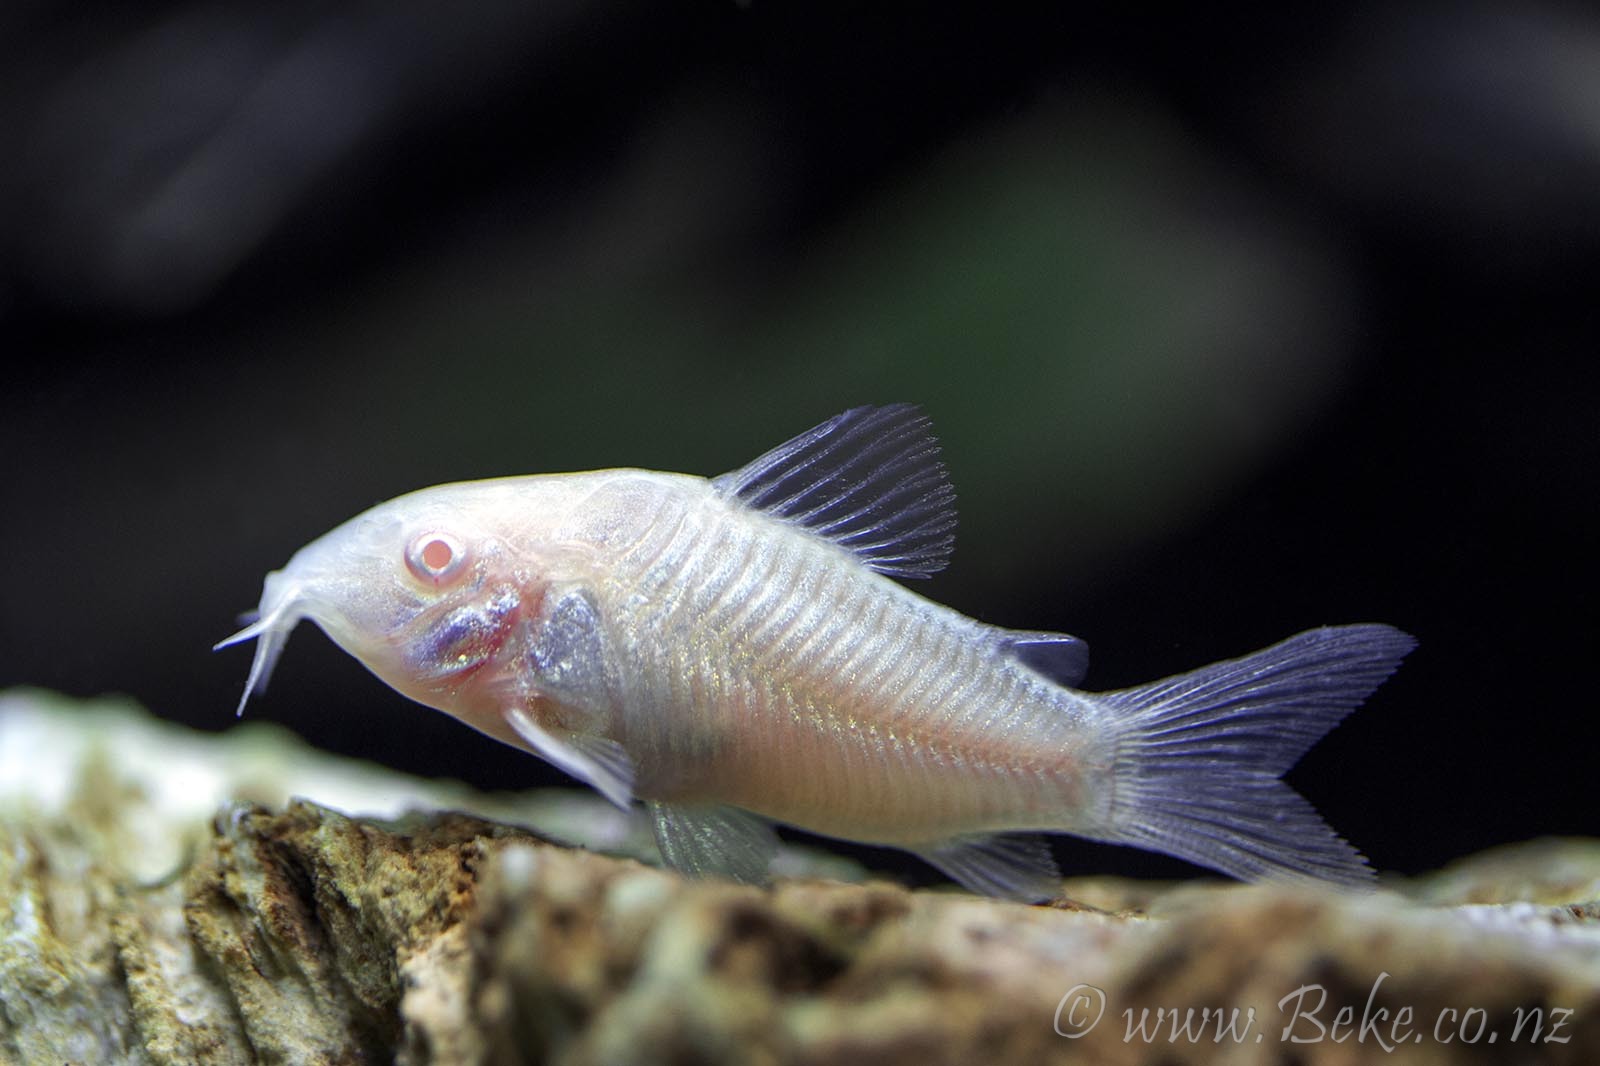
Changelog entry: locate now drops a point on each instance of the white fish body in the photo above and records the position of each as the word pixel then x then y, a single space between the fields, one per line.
pixel 732 651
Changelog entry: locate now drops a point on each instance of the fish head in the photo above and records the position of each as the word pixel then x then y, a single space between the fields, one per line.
pixel 420 590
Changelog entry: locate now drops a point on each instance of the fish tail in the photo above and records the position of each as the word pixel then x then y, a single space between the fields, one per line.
pixel 1198 757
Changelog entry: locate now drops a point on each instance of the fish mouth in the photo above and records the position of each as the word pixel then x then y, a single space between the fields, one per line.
pixel 282 607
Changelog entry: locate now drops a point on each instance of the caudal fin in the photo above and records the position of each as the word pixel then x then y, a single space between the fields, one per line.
pixel 1198 762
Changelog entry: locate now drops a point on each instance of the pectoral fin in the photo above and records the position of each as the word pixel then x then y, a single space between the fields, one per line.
pixel 595 761
pixel 568 663
pixel 714 840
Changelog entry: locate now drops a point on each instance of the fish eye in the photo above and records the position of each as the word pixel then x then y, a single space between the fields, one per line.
pixel 435 557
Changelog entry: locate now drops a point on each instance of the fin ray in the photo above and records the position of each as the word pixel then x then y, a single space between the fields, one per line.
pixel 713 840
pixel 596 761
pixel 1016 866
pixel 1197 766
pixel 868 480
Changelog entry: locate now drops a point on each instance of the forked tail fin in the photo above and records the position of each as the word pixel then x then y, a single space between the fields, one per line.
pixel 1198 761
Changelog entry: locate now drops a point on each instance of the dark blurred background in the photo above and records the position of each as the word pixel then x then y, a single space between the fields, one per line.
pixel 1232 325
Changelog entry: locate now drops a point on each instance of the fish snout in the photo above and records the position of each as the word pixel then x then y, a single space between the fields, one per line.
pixel 276 615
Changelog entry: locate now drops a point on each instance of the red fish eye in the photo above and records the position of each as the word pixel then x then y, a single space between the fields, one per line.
pixel 436 554
pixel 433 557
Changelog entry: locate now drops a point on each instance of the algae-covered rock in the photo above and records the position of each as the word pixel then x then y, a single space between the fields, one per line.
pixel 174 905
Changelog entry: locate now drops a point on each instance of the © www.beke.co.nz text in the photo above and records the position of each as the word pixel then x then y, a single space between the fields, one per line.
pixel 1304 1016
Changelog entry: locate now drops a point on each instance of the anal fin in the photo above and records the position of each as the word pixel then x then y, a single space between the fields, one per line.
pixel 1014 866
pixel 714 840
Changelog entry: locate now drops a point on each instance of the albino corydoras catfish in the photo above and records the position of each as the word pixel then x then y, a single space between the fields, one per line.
pixel 735 651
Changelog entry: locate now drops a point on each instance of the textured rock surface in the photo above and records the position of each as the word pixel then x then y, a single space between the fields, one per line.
pixel 172 905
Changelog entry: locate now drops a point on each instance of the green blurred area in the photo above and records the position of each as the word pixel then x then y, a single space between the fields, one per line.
pixel 1106 331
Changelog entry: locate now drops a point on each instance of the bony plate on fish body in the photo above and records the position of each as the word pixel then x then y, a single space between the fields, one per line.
pixel 738 651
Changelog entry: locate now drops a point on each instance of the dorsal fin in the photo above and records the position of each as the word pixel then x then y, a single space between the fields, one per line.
pixel 869 480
